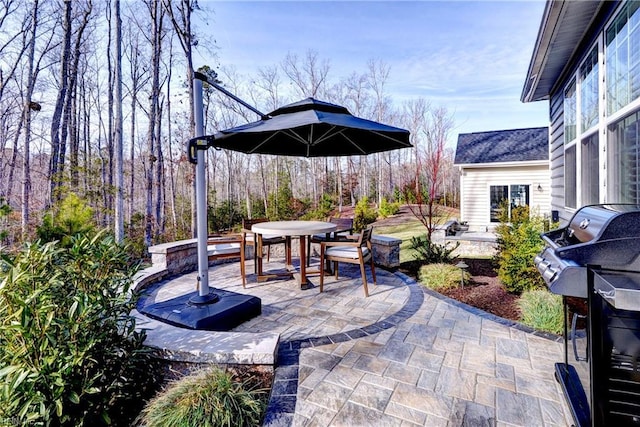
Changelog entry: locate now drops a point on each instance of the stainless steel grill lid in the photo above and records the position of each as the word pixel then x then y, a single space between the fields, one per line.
pixel 607 236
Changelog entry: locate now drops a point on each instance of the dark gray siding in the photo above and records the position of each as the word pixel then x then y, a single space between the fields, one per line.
pixel 556 154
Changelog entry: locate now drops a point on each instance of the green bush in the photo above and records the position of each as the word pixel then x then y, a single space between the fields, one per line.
pixel 542 310
pixel 363 214
pixel 519 242
pixel 387 209
pixel 323 211
pixel 208 398
pixel 69 352
pixel 74 216
pixel 428 252
pixel 5 210
pixel 441 277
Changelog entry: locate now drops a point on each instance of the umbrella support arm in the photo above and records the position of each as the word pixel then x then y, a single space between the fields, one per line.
pixel 196 144
pixel 203 77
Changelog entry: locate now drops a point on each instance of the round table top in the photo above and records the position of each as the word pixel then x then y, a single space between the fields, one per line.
pixel 293 228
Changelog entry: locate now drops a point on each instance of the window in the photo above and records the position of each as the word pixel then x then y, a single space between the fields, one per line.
pixel 622 40
pixel 570 113
pixel 590 171
pixel 497 195
pixel 511 195
pixel 589 91
pixel 570 177
pixel 624 155
pixel 570 135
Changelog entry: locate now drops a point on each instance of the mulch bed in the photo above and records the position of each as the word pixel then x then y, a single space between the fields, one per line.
pixel 484 290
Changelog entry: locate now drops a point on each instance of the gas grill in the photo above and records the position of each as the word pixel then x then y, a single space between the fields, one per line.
pixel 596 257
pixel 607 236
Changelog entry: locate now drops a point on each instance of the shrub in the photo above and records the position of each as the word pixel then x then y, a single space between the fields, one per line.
pixel 441 277
pixel 542 310
pixel 430 252
pixel 323 211
pixel 387 209
pixel 519 242
pixel 69 351
pixel 363 214
pixel 208 398
pixel 74 216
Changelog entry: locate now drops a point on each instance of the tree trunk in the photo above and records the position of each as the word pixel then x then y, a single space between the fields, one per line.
pixel 54 166
pixel 117 136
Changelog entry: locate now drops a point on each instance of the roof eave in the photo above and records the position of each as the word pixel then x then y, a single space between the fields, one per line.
pixel 503 164
pixel 556 44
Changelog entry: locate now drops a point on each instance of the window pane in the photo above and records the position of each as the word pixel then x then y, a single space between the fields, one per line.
pixel 570 177
pixel 498 194
pixel 519 196
pixel 623 159
pixel 623 58
pixel 589 91
pixel 570 113
pixel 589 170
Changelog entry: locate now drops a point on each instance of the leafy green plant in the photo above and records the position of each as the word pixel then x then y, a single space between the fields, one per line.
pixel 387 209
pixel 519 241
pixel 227 215
pixel 429 252
pixel 208 398
pixel 281 203
pixel 542 310
pixel 363 214
pixel 69 352
pixel 5 210
pixel 74 216
pixel 323 211
pixel 440 277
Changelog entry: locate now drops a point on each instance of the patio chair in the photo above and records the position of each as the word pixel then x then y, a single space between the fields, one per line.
pixel 344 225
pixel 356 251
pixel 225 247
pixel 249 239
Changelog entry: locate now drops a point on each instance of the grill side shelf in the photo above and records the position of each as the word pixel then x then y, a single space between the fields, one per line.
pixel 620 289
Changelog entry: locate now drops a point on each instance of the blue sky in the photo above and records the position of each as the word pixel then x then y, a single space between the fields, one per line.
pixel 469 56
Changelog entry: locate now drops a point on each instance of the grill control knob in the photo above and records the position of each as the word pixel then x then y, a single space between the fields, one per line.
pixel 549 274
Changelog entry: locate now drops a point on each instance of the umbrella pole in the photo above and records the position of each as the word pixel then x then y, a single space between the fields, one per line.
pixel 204 296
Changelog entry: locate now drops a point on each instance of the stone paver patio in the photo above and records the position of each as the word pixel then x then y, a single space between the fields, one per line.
pixel 402 357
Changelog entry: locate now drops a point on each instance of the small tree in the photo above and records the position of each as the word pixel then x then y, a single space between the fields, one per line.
pixel 423 189
pixel 5 210
pixel 363 214
pixel 74 217
pixel 518 243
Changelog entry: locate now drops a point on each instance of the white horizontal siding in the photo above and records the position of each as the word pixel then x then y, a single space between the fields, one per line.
pixel 475 183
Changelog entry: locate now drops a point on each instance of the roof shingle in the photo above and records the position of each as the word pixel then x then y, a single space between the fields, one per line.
pixel 516 145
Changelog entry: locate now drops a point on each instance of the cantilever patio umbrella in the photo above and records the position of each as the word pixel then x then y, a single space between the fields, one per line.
pixel 308 128
pixel 311 128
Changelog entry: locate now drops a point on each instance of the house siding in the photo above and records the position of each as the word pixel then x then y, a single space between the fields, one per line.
pixel 556 114
pixel 556 155
pixel 475 183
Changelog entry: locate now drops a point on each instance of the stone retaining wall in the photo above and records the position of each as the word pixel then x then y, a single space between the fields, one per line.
pixel 182 256
pixel 472 244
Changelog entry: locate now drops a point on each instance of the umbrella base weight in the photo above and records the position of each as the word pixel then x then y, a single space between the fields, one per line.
pixel 229 311
pixel 210 298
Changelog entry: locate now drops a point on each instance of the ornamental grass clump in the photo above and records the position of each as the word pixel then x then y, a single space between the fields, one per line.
pixel 542 310
pixel 442 277
pixel 208 398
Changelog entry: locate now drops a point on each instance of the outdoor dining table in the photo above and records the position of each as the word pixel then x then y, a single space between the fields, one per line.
pixel 289 229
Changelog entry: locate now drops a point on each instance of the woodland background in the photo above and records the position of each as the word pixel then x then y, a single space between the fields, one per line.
pixel 95 102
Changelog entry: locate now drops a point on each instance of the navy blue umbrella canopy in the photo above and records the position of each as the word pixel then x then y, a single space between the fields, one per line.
pixel 311 128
